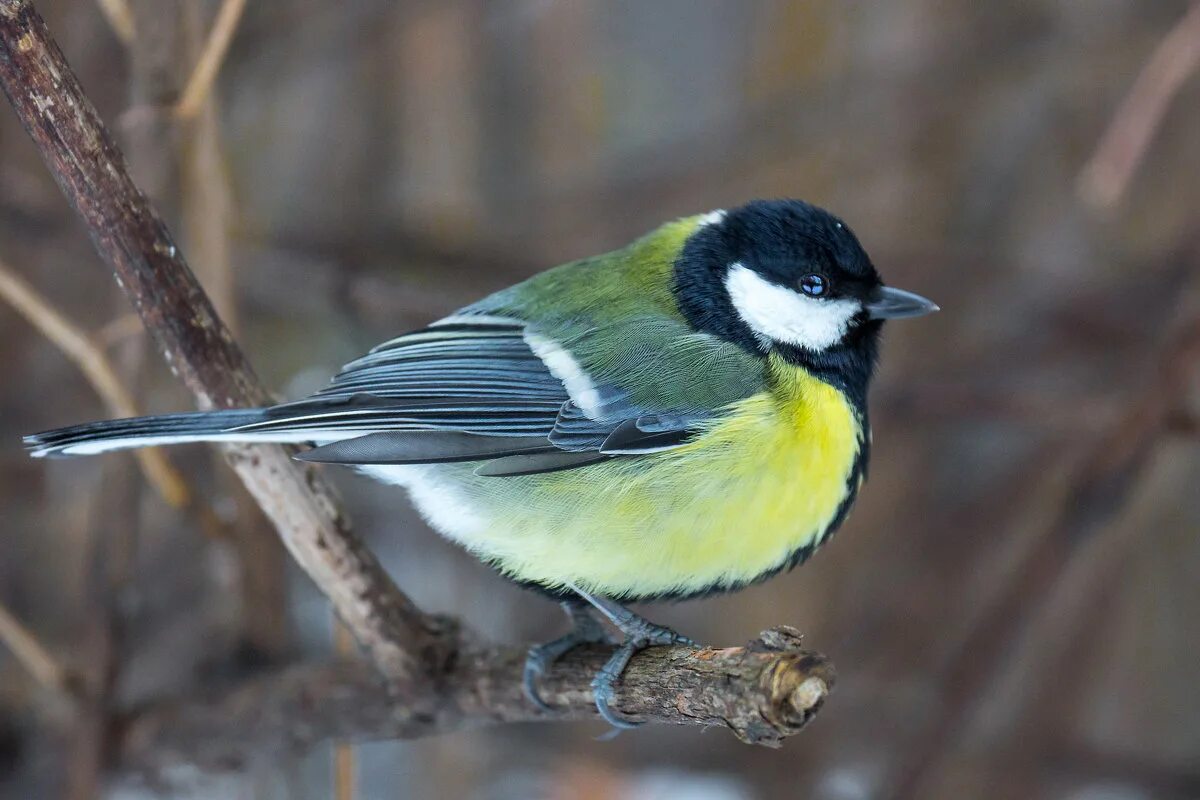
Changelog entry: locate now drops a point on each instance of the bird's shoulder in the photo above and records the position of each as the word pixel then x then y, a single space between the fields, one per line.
pixel 610 327
pixel 635 280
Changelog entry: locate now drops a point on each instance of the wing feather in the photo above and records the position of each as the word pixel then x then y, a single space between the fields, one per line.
pixel 420 447
pixel 477 390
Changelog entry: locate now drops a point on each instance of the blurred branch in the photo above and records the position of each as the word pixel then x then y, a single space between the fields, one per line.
pixel 110 559
pixel 86 354
pixel 1105 476
pixel 119 329
pixel 209 64
pixel 763 692
pixel 205 194
pixel 127 233
pixel 1107 174
pixel 1161 780
pixel 120 19
pixel 344 761
pixel 34 657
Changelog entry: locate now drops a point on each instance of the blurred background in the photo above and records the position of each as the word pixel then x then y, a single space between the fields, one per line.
pixel 1012 606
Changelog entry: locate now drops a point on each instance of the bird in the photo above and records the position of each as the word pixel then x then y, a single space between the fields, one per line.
pixel 681 417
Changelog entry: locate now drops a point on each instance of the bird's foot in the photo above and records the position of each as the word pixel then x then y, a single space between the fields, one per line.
pixel 640 633
pixel 604 684
pixel 586 629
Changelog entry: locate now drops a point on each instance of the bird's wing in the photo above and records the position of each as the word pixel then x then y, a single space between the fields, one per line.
pixel 495 390
pixel 584 362
pixel 479 379
pixel 610 329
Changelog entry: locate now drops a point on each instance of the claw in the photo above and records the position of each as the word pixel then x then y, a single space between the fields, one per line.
pixel 535 667
pixel 586 630
pixel 603 685
pixel 640 633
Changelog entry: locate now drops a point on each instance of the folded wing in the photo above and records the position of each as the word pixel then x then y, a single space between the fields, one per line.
pixel 497 390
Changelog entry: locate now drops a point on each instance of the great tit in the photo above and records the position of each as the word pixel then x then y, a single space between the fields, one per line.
pixel 683 416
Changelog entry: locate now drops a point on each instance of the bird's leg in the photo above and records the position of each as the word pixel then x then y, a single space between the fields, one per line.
pixel 585 629
pixel 640 633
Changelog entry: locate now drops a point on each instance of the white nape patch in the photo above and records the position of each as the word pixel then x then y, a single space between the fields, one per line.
pixel 712 217
pixel 563 366
pixel 439 500
pixel 778 314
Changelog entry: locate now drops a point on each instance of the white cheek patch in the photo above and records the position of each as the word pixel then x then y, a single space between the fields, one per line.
pixel 777 314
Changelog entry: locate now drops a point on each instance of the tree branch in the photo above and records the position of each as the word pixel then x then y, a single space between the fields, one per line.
pixel 128 234
pixel 35 658
pixel 120 19
pixel 763 692
pixel 209 64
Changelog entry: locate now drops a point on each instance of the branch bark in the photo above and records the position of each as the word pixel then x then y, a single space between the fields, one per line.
pixel 763 692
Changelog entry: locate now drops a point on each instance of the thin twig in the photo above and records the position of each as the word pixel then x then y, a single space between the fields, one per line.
pixel 344 761
pixel 118 330
pixel 33 655
pixel 1107 174
pixel 109 559
pixel 95 365
pixel 206 202
pixel 205 73
pixel 120 19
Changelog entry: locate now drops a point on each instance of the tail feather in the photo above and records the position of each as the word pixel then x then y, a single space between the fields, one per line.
pixel 120 434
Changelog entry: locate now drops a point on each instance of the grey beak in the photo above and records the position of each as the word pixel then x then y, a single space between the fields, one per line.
pixel 889 303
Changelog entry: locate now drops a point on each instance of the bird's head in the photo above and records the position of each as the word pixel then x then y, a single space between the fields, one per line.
pixel 788 276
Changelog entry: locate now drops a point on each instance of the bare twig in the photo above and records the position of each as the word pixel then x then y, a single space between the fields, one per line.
pixel 120 19
pixel 344 768
pixel 111 553
pixel 33 655
pixel 128 234
pixel 209 64
pixel 1104 178
pixel 118 330
pixel 206 202
pixel 92 361
pixel 763 692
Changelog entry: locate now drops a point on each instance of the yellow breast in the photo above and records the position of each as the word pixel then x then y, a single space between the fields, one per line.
pixel 757 487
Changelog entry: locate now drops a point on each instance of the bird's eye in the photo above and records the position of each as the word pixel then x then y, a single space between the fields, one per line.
pixel 813 285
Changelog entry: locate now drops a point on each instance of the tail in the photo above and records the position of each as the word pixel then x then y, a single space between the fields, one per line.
pixel 121 434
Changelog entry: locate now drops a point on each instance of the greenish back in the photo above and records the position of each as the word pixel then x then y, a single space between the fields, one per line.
pixel 615 314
